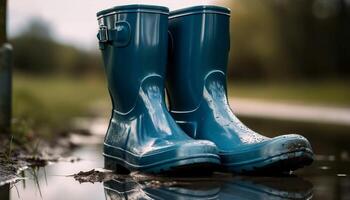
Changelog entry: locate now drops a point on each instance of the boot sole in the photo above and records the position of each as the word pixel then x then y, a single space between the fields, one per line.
pixel 185 166
pixel 278 164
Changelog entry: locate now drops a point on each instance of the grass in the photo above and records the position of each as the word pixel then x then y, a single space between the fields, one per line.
pixel 6 152
pixel 45 106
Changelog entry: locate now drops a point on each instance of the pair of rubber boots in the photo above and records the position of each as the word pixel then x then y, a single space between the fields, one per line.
pixel 144 47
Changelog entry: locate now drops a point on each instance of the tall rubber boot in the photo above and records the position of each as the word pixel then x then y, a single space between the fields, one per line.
pixel 142 135
pixel 196 84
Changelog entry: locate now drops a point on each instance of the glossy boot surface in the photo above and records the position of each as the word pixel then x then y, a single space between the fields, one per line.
pixel 272 188
pixel 196 85
pixel 142 135
pixel 135 189
pixel 223 188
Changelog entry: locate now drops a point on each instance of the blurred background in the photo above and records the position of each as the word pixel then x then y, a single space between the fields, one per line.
pixel 293 51
pixel 289 72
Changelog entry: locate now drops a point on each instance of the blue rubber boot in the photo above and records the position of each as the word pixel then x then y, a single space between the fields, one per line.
pixel 142 135
pixel 196 85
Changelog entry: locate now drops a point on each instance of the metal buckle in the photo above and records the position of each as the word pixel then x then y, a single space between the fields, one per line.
pixel 103 33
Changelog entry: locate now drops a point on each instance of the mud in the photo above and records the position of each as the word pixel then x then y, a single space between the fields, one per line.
pixel 9 172
pixel 16 159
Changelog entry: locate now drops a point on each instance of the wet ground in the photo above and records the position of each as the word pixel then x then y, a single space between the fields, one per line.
pixel 327 178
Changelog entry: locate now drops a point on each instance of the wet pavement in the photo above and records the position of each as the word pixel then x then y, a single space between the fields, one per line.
pixel 291 111
pixel 327 178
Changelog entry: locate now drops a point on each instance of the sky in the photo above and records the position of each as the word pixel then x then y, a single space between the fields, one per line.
pixel 74 21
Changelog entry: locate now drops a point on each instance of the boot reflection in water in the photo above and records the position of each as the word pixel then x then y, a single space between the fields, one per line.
pixel 131 189
pixel 273 188
pixel 234 188
pixel 196 85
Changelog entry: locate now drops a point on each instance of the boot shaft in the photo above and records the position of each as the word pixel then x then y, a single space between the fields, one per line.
pixel 199 46
pixel 133 40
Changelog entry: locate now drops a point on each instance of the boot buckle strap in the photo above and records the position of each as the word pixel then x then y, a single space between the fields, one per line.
pixel 103 34
pixel 119 36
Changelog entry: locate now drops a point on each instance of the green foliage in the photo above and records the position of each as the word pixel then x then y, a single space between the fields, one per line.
pixel 3 6
pixel 46 106
pixel 289 39
pixel 37 52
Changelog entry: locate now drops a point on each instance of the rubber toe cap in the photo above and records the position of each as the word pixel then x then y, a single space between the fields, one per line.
pixel 272 149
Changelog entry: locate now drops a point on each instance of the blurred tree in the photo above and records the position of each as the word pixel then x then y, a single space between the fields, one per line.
pixel 255 48
pixel 270 40
pixel 343 39
pixel 289 39
pixel 37 52
pixel 5 73
pixel 3 38
pixel 307 27
pixel 35 49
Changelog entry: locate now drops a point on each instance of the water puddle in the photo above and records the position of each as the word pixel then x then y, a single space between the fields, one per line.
pixel 324 179
pixel 327 178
